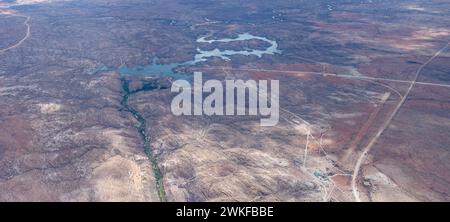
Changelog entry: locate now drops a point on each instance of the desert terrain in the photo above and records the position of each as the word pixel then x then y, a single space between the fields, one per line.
pixel 85 97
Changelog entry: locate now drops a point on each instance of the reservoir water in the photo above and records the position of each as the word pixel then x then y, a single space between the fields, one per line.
pixel 154 68
pixel 202 56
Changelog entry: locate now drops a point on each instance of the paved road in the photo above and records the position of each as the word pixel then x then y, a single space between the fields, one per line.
pixel 327 74
pixel 387 123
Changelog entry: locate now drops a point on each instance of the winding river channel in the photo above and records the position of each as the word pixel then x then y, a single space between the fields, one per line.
pixel 142 129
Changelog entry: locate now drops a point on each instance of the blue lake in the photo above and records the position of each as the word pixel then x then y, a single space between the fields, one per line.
pixel 156 69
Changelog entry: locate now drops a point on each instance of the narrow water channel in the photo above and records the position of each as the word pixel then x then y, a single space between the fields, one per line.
pixel 142 129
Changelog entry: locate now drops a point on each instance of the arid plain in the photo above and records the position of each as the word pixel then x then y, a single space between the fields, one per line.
pixel 85 101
